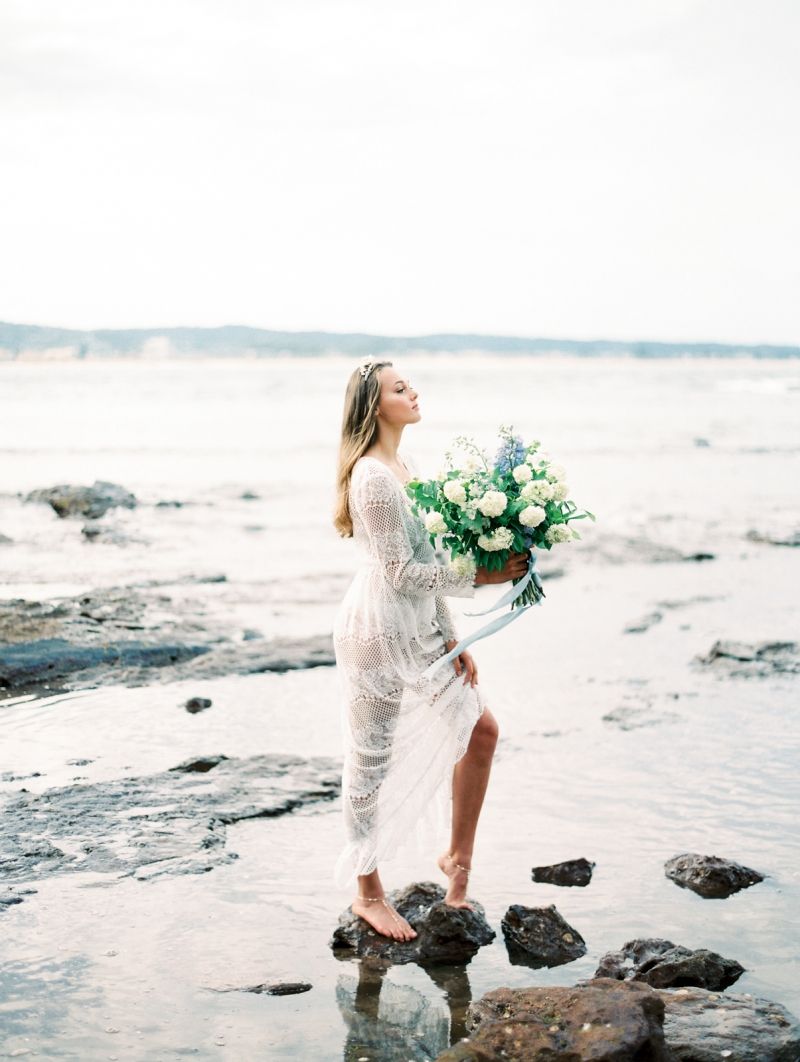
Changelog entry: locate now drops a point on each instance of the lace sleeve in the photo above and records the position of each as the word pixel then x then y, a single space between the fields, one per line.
pixel 379 504
pixel 445 619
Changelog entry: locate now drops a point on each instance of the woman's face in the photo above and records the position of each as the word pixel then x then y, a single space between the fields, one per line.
pixel 398 404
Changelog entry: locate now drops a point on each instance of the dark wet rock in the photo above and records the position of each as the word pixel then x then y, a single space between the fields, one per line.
pixel 249 495
pixel 200 764
pixel 80 762
pixel 120 635
pixel 790 538
pixel 93 502
pixel 169 504
pixel 197 704
pixel 254 657
pixel 699 441
pixel 601 1020
pixel 644 623
pixel 12 895
pixel 112 536
pixel 171 822
pixel 631 717
pixel 52 659
pixel 673 603
pixel 539 936
pixel 5 540
pixel 759 659
pixel 445 934
pixel 570 872
pixel 702 555
pixel 273 988
pixel 703 1026
pixel 662 964
pixel 709 875
pixel 12 776
pixel 249 634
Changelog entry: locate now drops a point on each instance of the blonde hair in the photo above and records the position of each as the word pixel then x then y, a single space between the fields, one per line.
pixel 359 432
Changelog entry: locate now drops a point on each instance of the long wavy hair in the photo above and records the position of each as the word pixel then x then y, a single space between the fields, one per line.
pixel 359 432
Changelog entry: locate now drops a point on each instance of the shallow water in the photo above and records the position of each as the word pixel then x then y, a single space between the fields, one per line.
pixel 94 967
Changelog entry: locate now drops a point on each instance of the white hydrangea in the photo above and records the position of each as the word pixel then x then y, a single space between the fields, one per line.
pixel 560 491
pixel 555 472
pixel 558 533
pixel 522 473
pixel 493 503
pixel 455 491
pixel 537 491
pixel 434 522
pixel 500 538
pixel 532 516
pixel 464 564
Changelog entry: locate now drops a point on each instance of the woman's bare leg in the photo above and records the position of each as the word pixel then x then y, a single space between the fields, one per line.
pixel 470 779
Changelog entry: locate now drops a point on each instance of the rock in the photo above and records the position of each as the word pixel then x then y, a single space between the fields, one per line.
pixel 699 441
pixel 92 501
pixel 197 704
pixel 539 936
pixel 702 1026
pixel 662 964
pixel 111 536
pixel 445 934
pixel 790 538
pixel 644 623
pixel 5 540
pixel 710 876
pixel 601 1020
pixel 275 988
pixel 200 764
pixel 12 895
pixel 249 495
pixel 629 717
pixel 120 634
pixel 760 659
pixel 570 872
pixel 700 556
pixel 170 504
pixel 170 822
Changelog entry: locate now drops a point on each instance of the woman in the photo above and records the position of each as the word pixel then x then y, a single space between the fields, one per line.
pixel 411 745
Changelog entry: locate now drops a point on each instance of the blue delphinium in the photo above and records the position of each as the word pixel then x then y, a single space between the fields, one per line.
pixel 512 451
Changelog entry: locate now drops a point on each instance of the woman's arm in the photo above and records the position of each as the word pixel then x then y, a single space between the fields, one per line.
pixel 378 502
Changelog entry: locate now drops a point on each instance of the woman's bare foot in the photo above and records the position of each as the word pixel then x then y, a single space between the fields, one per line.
pixel 383 918
pixel 457 889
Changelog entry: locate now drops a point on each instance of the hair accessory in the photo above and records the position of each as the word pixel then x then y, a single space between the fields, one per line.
pixel 366 367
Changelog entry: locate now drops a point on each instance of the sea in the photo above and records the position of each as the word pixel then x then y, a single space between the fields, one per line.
pixel 616 742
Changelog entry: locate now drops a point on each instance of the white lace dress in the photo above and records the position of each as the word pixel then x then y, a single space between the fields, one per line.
pixel 402 734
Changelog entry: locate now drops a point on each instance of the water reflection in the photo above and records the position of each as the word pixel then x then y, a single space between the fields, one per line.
pixel 387 1022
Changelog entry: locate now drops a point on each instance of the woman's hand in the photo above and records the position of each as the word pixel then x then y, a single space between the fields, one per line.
pixel 464 662
pixel 514 568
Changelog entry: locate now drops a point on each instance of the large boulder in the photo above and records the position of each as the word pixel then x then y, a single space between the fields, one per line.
pixel 710 876
pixel 603 1020
pixel 93 502
pixel 703 1026
pixel 539 936
pixel 445 934
pixel 662 964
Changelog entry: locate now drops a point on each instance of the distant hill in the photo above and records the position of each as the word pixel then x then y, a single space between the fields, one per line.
pixel 231 341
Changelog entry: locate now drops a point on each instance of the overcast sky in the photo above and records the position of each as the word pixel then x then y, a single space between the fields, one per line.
pixel 570 168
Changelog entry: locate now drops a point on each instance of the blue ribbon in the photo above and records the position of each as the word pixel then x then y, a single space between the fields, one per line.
pixel 496 624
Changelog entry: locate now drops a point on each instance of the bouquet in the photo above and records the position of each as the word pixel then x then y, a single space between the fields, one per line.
pixel 485 510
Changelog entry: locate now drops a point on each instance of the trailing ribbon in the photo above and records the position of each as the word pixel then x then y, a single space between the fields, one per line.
pixel 496 624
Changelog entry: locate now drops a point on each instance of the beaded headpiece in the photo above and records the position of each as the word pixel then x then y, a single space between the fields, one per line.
pixel 366 367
